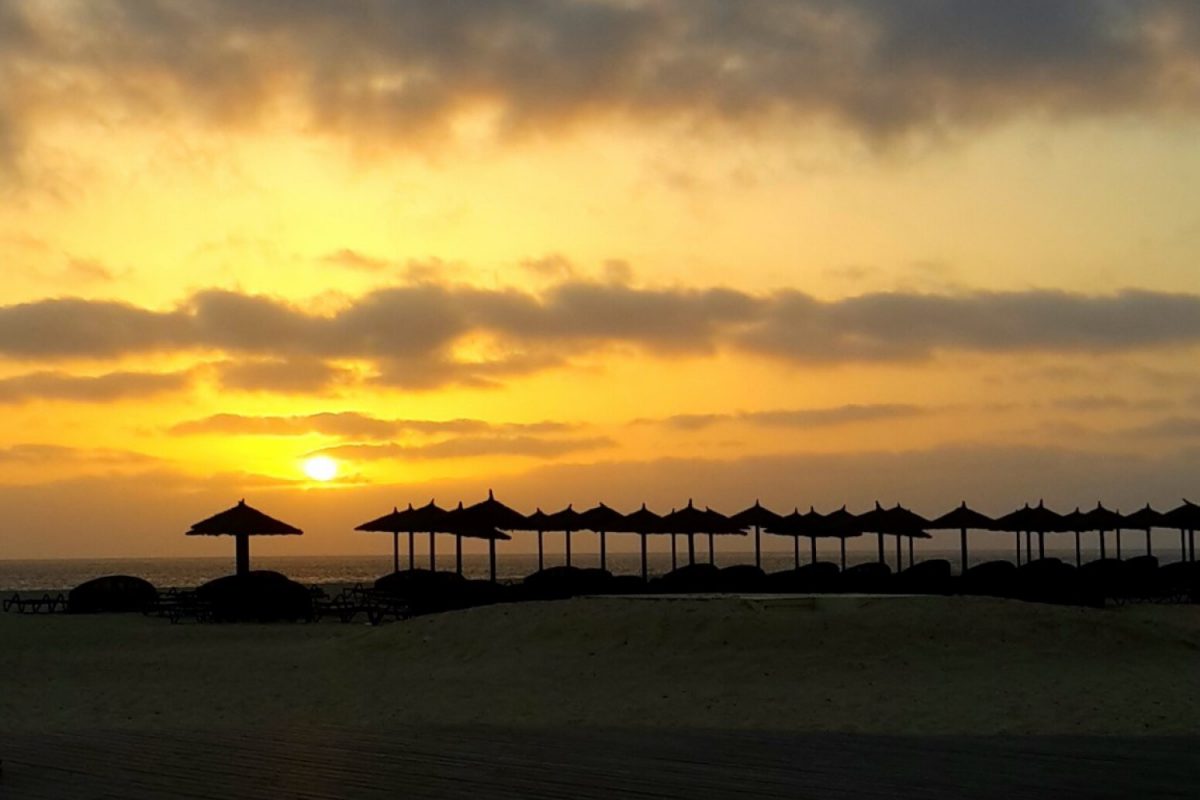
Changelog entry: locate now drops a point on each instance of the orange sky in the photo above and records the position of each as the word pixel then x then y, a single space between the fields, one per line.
pixel 586 251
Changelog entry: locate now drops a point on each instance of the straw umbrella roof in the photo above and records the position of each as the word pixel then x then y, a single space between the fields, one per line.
pixel 841 524
pixel 603 518
pixel 242 520
pixel 1076 522
pixel 755 516
pixel 905 522
pixel 490 513
pixel 394 522
pixel 687 520
pixel 962 517
pixel 793 524
pixel 483 533
pixel 1145 518
pixel 720 524
pixel 1102 519
pixel 877 520
pixel 537 521
pixel 566 520
pixel 1039 519
pixel 643 521
pixel 1187 516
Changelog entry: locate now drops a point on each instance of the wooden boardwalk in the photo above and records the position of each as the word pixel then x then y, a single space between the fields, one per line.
pixel 442 762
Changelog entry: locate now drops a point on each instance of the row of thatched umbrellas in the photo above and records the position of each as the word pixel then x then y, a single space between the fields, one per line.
pixel 490 519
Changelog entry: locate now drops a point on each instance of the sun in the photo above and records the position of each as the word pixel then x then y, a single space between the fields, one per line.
pixel 320 468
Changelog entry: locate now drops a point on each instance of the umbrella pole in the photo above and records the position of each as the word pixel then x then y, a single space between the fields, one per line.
pixel 432 551
pixel 910 551
pixel 491 559
pixel 674 558
pixel 712 540
pixel 603 552
pixel 1182 545
pixel 691 549
pixel 1028 546
pixel 541 553
pixel 395 551
pixel 1192 545
pixel 1078 550
pixel 1018 533
pixel 1148 549
pixel 1118 544
pixel 757 549
pixel 644 571
pixel 881 558
pixel 1041 544
pixel 842 539
pixel 242 551
pixel 963 544
pixel 812 546
pixel 796 547
pixel 899 555
pixel 568 548
pixel 458 555
pixel 1103 554
pixel 412 550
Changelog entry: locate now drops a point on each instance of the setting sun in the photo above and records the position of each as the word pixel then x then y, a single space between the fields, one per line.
pixel 321 468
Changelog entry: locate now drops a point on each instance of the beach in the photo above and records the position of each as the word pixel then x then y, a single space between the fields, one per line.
pixel 892 665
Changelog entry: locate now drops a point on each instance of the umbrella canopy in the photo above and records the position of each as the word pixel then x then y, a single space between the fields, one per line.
pixel 960 518
pixel 841 524
pixel 643 521
pixel 756 516
pixel 1185 517
pixel 1102 519
pixel 537 521
pixel 1077 521
pixel 602 518
pixel 242 522
pixel 876 520
pixel 490 513
pixel 793 524
pixel 688 520
pixel 394 522
pixel 1144 519
pixel 904 522
pixel 566 520
pixel 1039 518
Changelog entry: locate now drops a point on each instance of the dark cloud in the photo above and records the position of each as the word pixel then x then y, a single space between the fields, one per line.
pixel 293 376
pixel 353 425
pixel 796 418
pixel 469 447
pixel 408 333
pixel 90 389
pixel 404 71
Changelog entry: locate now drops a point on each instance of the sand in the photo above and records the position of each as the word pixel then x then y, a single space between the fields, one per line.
pixel 883 665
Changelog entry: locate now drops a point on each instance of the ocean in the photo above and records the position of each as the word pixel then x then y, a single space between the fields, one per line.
pixel 63 574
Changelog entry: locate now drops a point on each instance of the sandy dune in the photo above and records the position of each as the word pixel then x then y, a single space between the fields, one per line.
pixel 893 665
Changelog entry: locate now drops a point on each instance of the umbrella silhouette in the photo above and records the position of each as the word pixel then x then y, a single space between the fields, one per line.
pixel 644 522
pixel 602 519
pixel 842 524
pixel 876 521
pixel 758 518
pixel 963 519
pixel 1100 519
pixel 1145 519
pixel 1186 518
pixel 1039 519
pixel 794 525
pixel 566 521
pixel 720 524
pixel 538 521
pixel 1076 522
pixel 688 521
pixel 481 521
pixel 908 524
pixel 395 523
pixel 242 522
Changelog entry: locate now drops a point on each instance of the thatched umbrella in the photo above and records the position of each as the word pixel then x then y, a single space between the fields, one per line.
pixel 1039 520
pixel 394 523
pixel 906 523
pixel 793 525
pixel 644 522
pixel 1100 519
pixel 602 519
pixel 758 518
pixel 429 518
pixel 875 521
pixel 688 521
pixel 566 521
pixel 842 524
pixel 492 536
pixel 1186 518
pixel 719 524
pixel 538 521
pixel 1076 522
pixel 1145 519
pixel 485 516
pixel 963 519
pixel 242 522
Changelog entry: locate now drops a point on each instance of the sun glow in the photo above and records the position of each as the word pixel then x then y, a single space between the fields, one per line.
pixel 320 468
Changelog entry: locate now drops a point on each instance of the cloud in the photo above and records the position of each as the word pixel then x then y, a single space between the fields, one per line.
pixel 469 447
pixel 57 455
pixel 353 259
pixel 405 72
pixel 410 334
pixel 88 269
pixel 795 418
pixel 1170 428
pixel 90 389
pixel 354 425
pixel 292 376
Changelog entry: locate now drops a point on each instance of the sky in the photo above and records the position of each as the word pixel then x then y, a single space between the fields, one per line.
pixel 802 251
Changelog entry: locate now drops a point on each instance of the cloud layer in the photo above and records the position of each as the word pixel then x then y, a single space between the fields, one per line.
pixel 405 72
pixel 411 335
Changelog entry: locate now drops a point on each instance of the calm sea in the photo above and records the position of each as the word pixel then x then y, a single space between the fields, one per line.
pixel 61 574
